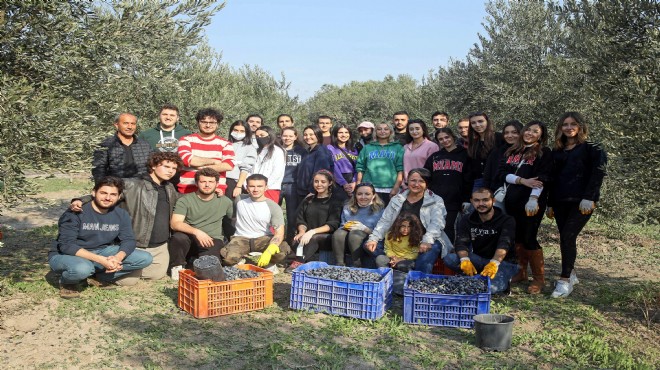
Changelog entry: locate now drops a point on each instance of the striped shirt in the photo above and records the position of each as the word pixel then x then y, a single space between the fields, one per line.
pixel 194 145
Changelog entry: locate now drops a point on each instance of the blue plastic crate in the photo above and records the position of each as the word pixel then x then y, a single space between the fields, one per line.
pixel 360 300
pixel 453 310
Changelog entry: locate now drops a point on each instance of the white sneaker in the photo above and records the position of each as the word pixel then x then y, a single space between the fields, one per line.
pixel 175 272
pixel 573 279
pixel 272 268
pixel 563 289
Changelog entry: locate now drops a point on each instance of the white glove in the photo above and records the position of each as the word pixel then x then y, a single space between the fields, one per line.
pixel 359 226
pixel 532 206
pixel 465 207
pixel 586 206
pixel 307 236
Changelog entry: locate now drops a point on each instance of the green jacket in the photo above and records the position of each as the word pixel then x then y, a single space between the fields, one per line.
pixel 380 164
pixel 169 143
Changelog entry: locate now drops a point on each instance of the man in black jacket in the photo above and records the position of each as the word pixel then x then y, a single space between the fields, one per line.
pixel 483 240
pixel 123 154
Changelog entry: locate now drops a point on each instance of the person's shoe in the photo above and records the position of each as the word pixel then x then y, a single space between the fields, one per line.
pixel 537 265
pixel 272 268
pixel 69 291
pixel 93 281
pixel 174 273
pixel 573 279
pixel 505 293
pixel 523 261
pixel 563 289
pixel 240 262
pixel 294 265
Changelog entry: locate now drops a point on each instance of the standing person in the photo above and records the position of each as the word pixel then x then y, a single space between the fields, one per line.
pixel 579 169
pixel 428 207
pixel 418 147
pixel 440 119
pixel 400 123
pixel 526 167
pixel 358 219
pixel 164 137
pixel 284 121
pixel 197 222
pixel 366 131
pixel 205 150
pixel 294 156
pixel 254 121
pixel 483 242
pixel 450 177
pixel 344 157
pixel 381 163
pixel 324 123
pixel 271 161
pixel 318 158
pixel 402 243
pixel 123 154
pixel 318 218
pixel 511 133
pixel 98 241
pixel 245 156
pixel 463 127
pixel 482 139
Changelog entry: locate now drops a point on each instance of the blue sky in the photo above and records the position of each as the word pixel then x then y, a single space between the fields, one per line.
pixel 335 42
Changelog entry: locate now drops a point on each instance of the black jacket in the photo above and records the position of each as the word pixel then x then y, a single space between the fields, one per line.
pixel 315 212
pixel 109 158
pixel 478 164
pixel 578 173
pixel 540 167
pixel 486 237
pixel 450 176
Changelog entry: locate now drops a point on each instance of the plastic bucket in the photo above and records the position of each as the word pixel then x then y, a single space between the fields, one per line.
pixel 493 332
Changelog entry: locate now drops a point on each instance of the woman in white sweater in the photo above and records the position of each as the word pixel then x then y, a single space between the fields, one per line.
pixel 271 161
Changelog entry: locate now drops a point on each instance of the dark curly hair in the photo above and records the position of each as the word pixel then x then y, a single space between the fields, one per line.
pixel 157 158
pixel 416 229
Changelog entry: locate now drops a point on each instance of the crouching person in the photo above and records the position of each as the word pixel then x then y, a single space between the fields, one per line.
pixel 489 234
pixel 96 244
pixel 256 219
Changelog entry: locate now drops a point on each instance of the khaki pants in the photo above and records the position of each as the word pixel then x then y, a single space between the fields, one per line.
pixel 155 271
pixel 240 246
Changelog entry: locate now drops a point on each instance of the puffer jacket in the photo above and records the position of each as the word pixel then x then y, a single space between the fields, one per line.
pixel 109 158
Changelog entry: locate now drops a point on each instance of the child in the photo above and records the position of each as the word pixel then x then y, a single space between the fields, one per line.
pixel 402 243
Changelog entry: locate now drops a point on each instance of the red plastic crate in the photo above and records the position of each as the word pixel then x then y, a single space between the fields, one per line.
pixel 439 268
pixel 208 298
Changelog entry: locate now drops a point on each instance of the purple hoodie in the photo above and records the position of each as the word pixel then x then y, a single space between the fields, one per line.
pixel 343 165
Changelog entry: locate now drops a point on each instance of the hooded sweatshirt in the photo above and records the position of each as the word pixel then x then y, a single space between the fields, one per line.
pixel 164 141
pixel 486 236
pixel 318 158
pixel 450 177
pixel 343 166
pixel 380 164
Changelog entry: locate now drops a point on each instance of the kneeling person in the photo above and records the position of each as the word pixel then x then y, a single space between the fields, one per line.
pixel 256 219
pixel 99 240
pixel 491 234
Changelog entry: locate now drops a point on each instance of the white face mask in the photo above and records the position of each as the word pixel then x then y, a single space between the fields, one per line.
pixel 238 136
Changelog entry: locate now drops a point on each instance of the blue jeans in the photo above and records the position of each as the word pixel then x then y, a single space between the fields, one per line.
pixel 75 269
pixel 502 278
pixel 423 263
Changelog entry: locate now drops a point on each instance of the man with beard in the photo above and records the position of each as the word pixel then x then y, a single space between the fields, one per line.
pixel 98 241
pixel 440 119
pixel 366 131
pixel 490 234
pixel 400 123
pixel 463 126
pixel 197 222
pixel 165 136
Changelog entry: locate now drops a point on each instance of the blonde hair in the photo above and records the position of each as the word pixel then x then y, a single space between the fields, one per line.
pixel 376 205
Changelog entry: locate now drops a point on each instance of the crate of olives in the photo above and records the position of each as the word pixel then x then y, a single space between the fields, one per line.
pixel 344 291
pixel 440 300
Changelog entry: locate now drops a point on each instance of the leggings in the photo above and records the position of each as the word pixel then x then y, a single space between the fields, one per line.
pixel 352 239
pixel 318 242
pixel 569 222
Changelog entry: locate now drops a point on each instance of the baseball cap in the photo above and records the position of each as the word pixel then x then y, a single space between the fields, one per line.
pixel 366 124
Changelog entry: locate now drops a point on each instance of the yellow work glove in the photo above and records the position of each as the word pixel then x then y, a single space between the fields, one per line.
pixel 264 260
pixel 491 269
pixel 467 267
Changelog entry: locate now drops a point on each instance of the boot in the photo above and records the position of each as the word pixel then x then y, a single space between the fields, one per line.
pixel 538 270
pixel 523 261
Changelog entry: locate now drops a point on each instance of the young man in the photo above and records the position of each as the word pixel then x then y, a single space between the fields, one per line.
pixel 284 120
pixel 325 124
pixel 490 234
pixel 164 137
pixel 254 121
pixel 205 150
pixel 122 155
pixel 463 128
pixel 440 119
pixel 366 130
pixel 400 122
pixel 99 240
pixel 256 219
pixel 197 222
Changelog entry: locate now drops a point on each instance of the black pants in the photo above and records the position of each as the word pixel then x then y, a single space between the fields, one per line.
pixel 290 196
pixel 385 197
pixel 450 225
pixel 318 242
pixel 228 229
pixel 527 228
pixel 569 222
pixel 182 245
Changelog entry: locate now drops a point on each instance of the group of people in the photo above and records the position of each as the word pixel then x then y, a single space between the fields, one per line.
pixel 388 195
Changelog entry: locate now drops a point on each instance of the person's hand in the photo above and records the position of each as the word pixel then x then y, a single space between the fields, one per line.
pixel 465 207
pixel 532 206
pixel 532 183
pixel 359 226
pixel 110 264
pixel 424 247
pixel 348 225
pixel 76 206
pixel 236 192
pixel 348 188
pixel 467 267
pixel 264 260
pixel 371 245
pixel 394 192
pixel 219 192
pixel 297 237
pixel 203 239
pixel 586 206
pixel 491 269
pixel 307 236
pixel 549 213
pixel 394 260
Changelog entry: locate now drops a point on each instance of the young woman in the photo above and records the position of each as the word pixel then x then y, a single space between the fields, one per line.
pixel 450 178
pixel 344 157
pixel 418 147
pixel 402 243
pixel 579 169
pixel 510 132
pixel 245 155
pixel 294 155
pixel 318 218
pixel 526 167
pixel 318 158
pixel 358 218
pixel 270 162
pixel 482 139
pixel 381 163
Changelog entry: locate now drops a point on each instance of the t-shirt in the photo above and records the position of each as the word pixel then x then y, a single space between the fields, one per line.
pixel 205 215
pixel 401 248
pixel 257 219
pixel 194 145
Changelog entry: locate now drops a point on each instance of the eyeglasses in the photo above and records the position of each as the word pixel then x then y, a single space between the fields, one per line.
pixel 208 123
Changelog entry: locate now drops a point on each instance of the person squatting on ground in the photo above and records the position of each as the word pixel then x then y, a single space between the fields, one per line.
pixel 97 243
pixel 256 216
pixel 358 218
pixel 402 243
pixel 197 222
pixel 483 240
pixel 579 168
